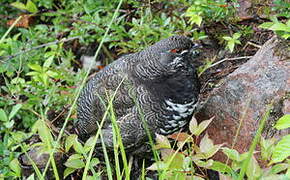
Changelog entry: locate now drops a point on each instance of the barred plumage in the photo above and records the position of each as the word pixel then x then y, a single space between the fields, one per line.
pixel 158 84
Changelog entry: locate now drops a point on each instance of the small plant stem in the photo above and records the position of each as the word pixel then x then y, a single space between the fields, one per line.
pixel 109 169
pixel 143 170
pixel 151 142
pixel 255 141
pixel 116 133
pixel 10 29
pixel 118 143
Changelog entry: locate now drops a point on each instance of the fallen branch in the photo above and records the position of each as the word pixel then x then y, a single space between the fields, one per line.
pixel 229 59
pixel 252 44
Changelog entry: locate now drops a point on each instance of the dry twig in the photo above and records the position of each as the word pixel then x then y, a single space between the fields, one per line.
pixel 229 59
pixel 37 47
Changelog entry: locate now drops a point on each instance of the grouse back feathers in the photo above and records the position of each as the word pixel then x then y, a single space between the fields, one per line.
pixel 157 86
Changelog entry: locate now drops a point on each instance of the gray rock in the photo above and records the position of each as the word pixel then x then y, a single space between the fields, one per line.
pixel 265 78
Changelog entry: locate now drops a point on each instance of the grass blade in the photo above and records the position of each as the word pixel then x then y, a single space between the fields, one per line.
pixel 255 141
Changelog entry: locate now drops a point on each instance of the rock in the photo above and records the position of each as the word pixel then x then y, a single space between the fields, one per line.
pixel 265 78
pixel 40 158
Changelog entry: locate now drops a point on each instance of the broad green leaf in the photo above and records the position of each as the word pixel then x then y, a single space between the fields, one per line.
pixel 18 80
pixel 30 6
pixel 206 144
pixel 47 63
pixel 162 142
pixel 205 164
pixel 266 25
pixel 267 146
pixel 220 167
pixel 50 53
pixel 44 78
pixel 94 162
pixel 9 124
pixel 231 45
pixel 227 38
pixel 193 125
pixel 195 19
pixel 253 170
pixel 44 132
pixel 35 67
pixel 159 165
pixel 283 122
pixel 207 148
pixel 68 171
pixel 237 42
pixel 177 161
pixel 78 147
pixel 14 165
pixel 89 144
pixel 75 156
pixel 52 74
pixel 244 156
pixel 213 150
pixel 69 142
pixel 19 5
pixel 165 153
pixel 281 150
pixel 231 153
pixel 3 116
pixel 33 73
pixel 14 110
pixel 31 177
pixel 202 126
pixel 74 163
pixel 279 27
pixel 199 156
pixel 277 168
pixel 236 36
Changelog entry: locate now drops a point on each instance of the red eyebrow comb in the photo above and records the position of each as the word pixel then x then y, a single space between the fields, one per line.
pixel 174 50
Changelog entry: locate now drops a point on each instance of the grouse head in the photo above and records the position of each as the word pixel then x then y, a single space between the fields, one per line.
pixel 177 59
pixel 174 42
pixel 166 58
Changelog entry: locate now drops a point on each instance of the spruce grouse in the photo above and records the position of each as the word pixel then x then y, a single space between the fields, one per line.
pixel 158 87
